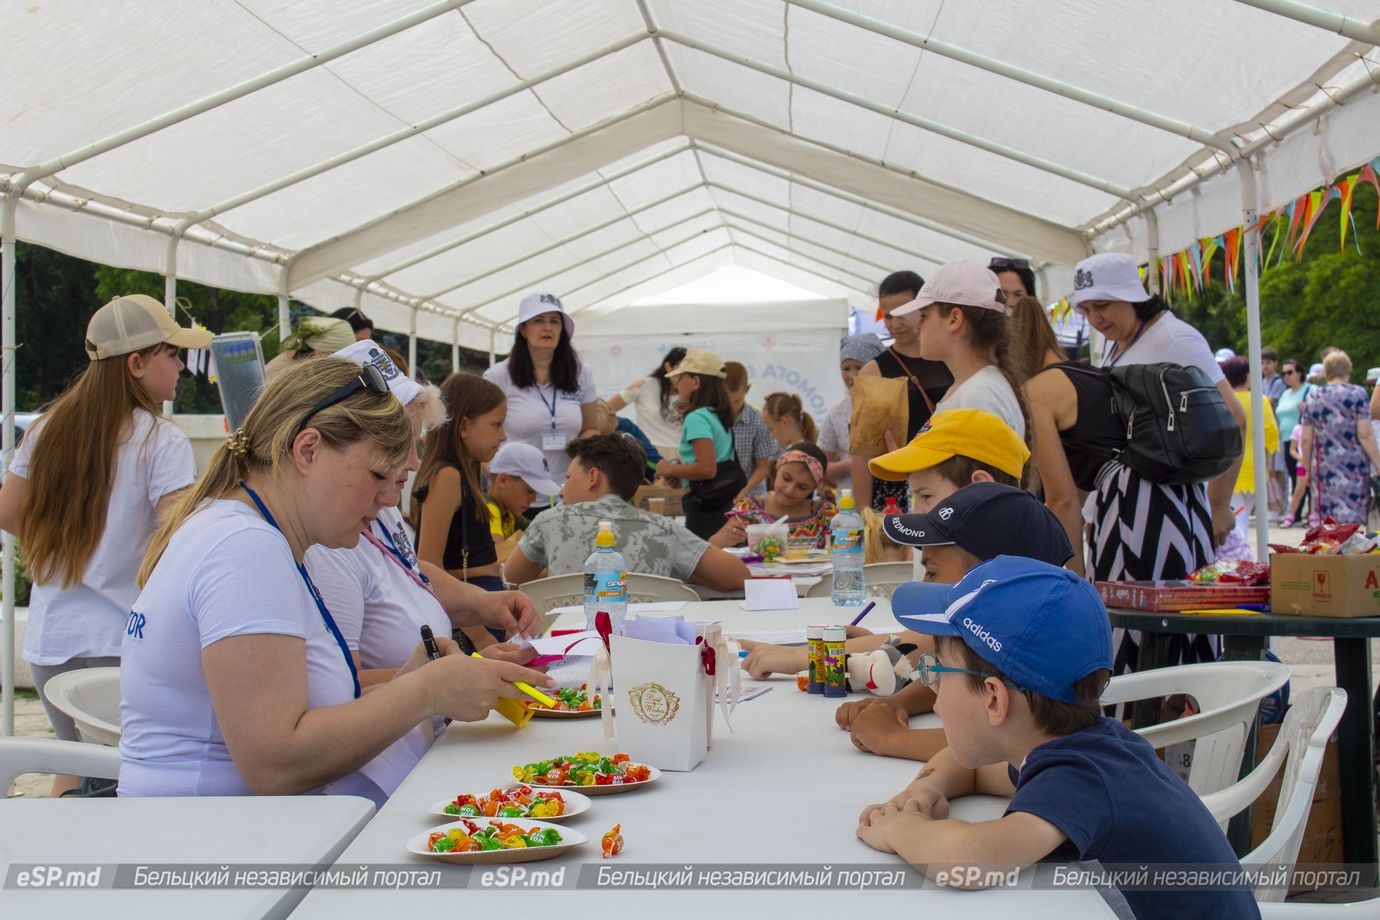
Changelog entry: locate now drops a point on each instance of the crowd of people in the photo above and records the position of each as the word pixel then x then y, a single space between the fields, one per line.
pixel 265 614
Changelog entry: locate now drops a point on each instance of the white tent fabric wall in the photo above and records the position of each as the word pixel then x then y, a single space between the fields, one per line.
pixel 597 147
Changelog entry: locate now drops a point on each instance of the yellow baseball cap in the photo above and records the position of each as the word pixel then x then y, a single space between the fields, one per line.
pixel 699 361
pixel 971 433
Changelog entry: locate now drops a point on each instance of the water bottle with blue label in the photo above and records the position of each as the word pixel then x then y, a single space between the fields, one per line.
pixel 606 580
pixel 846 553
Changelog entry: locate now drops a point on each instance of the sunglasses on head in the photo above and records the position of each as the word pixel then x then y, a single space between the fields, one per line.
pixel 369 378
pixel 998 264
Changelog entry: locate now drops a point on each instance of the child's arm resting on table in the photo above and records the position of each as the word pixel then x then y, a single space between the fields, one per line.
pixel 1017 839
pixel 942 779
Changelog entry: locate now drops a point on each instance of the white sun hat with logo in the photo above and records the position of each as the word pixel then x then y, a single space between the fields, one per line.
pixel 1108 276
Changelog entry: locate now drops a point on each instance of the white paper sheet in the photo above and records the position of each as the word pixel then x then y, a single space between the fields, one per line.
pixel 770 594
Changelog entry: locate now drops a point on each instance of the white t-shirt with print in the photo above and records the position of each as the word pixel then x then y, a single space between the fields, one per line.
pixel 645 397
pixel 379 608
pixel 986 390
pixel 226 572
pixel 1171 340
pixel 153 460
pixel 529 413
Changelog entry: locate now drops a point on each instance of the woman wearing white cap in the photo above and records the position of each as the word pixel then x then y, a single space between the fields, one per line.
pixel 1145 530
pixel 550 391
pixel 87 486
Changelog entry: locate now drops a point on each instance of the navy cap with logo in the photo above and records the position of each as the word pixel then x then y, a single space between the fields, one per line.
pixel 987 519
pixel 1043 627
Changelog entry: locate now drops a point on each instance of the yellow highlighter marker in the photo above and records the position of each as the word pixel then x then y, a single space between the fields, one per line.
pixel 527 688
pixel 1224 612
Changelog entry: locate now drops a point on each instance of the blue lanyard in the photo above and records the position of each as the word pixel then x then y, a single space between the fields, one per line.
pixel 396 553
pixel 549 405
pixel 315 594
pixel 1121 354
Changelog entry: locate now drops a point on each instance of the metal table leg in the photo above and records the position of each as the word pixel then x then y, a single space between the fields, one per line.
pixel 1356 750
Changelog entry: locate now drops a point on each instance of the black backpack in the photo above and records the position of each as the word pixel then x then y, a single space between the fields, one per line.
pixel 1178 428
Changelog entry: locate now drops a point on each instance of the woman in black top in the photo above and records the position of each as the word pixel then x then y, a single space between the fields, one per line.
pixel 928 381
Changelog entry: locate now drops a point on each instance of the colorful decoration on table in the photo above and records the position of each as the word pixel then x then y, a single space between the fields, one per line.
pixel 514 802
pixel 1232 572
pixel 494 836
pixel 583 769
pixel 572 699
pixel 613 842
pixel 1331 539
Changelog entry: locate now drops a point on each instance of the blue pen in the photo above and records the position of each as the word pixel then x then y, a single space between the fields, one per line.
pixel 865 611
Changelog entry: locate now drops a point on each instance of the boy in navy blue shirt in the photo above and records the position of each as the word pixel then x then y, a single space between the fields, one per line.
pixel 1023 654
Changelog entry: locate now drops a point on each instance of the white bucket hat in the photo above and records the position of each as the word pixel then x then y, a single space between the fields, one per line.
pixel 536 303
pixel 367 351
pixel 1107 276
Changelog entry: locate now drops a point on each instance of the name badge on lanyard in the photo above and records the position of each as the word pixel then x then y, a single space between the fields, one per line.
pixel 553 439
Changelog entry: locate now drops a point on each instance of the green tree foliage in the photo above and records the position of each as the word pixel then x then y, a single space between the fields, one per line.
pixel 1330 296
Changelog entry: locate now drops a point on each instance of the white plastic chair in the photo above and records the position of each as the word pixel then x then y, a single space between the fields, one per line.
pixel 1299 749
pixel 1227 695
pixel 91 698
pixel 1306 910
pixel 569 590
pixel 880 579
pixel 46 755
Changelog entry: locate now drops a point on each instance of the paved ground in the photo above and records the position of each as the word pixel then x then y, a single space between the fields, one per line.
pixel 1310 661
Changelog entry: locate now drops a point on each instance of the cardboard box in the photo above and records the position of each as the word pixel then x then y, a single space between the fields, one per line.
pixel 669 504
pixel 1325 586
pixel 1170 596
pixel 1322 837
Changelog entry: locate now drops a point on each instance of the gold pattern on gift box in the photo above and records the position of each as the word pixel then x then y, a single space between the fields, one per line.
pixel 653 703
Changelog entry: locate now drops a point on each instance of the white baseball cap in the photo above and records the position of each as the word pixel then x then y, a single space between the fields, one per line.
pixel 134 322
pixel 1224 354
pixel 966 284
pixel 536 303
pixel 1373 375
pixel 1107 276
pixel 520 459
pixel 367 351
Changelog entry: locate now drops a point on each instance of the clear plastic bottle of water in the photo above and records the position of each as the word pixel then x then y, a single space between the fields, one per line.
pixel 606 580
pixel 846 553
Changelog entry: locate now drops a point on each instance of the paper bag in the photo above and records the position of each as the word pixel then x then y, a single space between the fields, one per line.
pixel 663 696
pixel 880 404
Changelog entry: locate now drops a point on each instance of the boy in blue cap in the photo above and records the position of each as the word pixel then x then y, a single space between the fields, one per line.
pixel 1023 652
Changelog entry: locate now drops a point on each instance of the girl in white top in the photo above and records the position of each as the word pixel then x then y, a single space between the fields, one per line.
pixel 86 487
pixel 963 323
pixel 236 679
pixel 550 391
pixel 655 399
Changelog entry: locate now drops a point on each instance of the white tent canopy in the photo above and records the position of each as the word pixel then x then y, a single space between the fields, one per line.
pixel 433 163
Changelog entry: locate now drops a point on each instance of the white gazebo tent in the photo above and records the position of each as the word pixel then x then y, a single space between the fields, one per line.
pixel 431 164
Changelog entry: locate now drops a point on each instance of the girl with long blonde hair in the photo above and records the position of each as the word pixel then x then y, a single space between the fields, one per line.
pixel 236 678
pixel 86 487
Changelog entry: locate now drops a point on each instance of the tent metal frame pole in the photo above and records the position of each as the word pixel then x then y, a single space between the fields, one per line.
pixel 925 124
pixel 1019 74
pixel 567 240
pixel 803 255
pixel 284 313
pixel 1250 205
pixel 876 241
pixel 865 203
pixel 794 236
pixel 600 255
pixel 493 344
pixel 412 344
pixel 762 255
pixel 455 345
pixel 1152 240
pixel 9 204
pixel 1358 29
pixel 170 296
pixel 509 221
pixel 410 131
pixel 277 75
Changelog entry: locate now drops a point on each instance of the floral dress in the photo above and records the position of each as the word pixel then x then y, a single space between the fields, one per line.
pixel 814 526
pixel 1341 484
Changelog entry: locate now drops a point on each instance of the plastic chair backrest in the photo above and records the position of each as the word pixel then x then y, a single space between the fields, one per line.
pixel 880 579
pixel 1299 748
pixel 46 755
pixel 1227 695
pixel 569 591
pixel 91 698
pixel 1307 910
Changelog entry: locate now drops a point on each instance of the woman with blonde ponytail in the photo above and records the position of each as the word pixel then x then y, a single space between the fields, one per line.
pixel 236 678
pixel 86 487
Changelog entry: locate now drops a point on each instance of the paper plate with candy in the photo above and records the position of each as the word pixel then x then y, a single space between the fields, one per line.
pixel 571 703
pixel 590 773
pixel 495 840
pixel 515 802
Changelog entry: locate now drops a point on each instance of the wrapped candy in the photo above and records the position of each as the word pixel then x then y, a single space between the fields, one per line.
pixel 1232 572
pixel 613 842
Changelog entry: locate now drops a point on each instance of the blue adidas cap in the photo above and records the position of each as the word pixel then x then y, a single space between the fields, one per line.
pixel 1044 627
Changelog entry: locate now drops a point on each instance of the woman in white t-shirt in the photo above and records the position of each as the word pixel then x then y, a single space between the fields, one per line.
pixel 550 391
pixel 963 315
pixel 85 490
pixel 655 399
pixel 236 679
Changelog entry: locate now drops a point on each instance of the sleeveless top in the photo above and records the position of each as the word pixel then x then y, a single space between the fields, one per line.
pixel 934 376
pixel 467 530
pixel 1097 434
